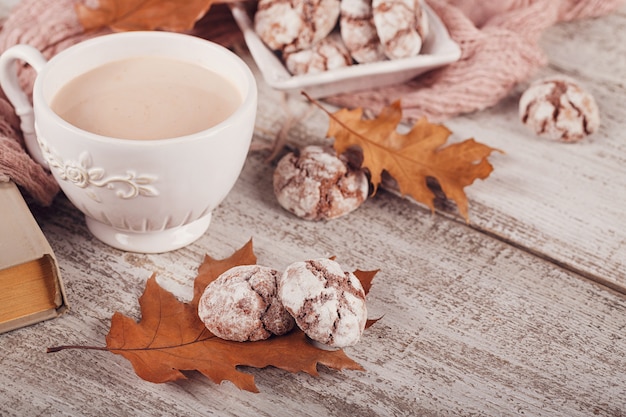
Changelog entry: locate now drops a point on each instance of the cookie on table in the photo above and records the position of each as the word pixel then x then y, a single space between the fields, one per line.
pixel 316 184
pixel 328 304
pixel 292 25
pixel 242 305
pixel 327 54
pixel 401 25
pixel 559 108
pixel 359 32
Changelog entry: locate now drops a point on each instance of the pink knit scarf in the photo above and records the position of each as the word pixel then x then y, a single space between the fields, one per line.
pixel 499 43
pixel 498 39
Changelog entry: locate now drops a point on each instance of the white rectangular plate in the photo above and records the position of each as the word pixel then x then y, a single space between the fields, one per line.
pixel 438 50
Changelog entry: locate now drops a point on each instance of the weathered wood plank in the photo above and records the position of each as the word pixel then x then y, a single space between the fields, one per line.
pixel 590 48
pixel 470 325
pixel 565 202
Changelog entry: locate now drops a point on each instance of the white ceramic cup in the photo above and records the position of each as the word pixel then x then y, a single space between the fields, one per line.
pixel 144 196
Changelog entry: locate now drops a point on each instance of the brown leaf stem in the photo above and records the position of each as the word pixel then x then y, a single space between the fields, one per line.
pixel 104 348
pixel 340 122
pixel 67 347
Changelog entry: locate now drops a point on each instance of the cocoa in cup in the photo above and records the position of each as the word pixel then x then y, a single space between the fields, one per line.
pixel 145 132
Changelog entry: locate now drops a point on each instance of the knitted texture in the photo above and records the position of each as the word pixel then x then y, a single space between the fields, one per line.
pixel 499 44
pixel 49 26
pixel 498 40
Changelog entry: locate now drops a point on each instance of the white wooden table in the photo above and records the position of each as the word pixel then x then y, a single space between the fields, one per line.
pixel 522 312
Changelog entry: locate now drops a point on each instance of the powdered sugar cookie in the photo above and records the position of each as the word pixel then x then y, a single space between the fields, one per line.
pixel 328 304
pixel 558 108
pixel 358 31
pixel 242 305
pixel 329 53
pixel 292 25
pixel 315 184
pixel 400 26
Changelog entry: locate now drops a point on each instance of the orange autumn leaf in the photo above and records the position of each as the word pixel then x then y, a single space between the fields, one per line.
pixel 126 15
pixel 170 338
pixel 412 157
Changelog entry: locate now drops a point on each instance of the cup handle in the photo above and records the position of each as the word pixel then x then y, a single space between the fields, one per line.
pixel 11 86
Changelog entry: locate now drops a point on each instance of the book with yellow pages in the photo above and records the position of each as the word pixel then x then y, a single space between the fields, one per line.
pixel 31 289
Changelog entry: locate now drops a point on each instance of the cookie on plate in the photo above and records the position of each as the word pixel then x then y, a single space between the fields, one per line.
pixel 401 25
pixel 327 54
pixel 292 25
pixel 359 32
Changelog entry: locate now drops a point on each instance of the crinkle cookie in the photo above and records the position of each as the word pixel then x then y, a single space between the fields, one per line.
pixel 327 303
pixel 401 26
pixel 242 305
pixel 291 25
pixel 316 184
pixel 358 31
pixel 327 54
pixel 558 108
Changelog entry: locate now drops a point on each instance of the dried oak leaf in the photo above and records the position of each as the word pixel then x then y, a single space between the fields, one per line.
pixel 412 157
pixel 125 15
pixel 170 338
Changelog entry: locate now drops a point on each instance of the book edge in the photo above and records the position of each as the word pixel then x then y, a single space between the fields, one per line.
pixel 38 247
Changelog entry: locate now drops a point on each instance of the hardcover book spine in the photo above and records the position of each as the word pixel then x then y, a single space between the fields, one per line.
pixel 31 289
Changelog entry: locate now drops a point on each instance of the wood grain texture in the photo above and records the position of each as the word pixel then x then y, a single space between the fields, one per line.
pixel 470 325
pixel 564 202
pixel 486 319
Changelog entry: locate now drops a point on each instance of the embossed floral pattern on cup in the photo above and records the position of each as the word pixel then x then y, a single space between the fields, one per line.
pixel 83 174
